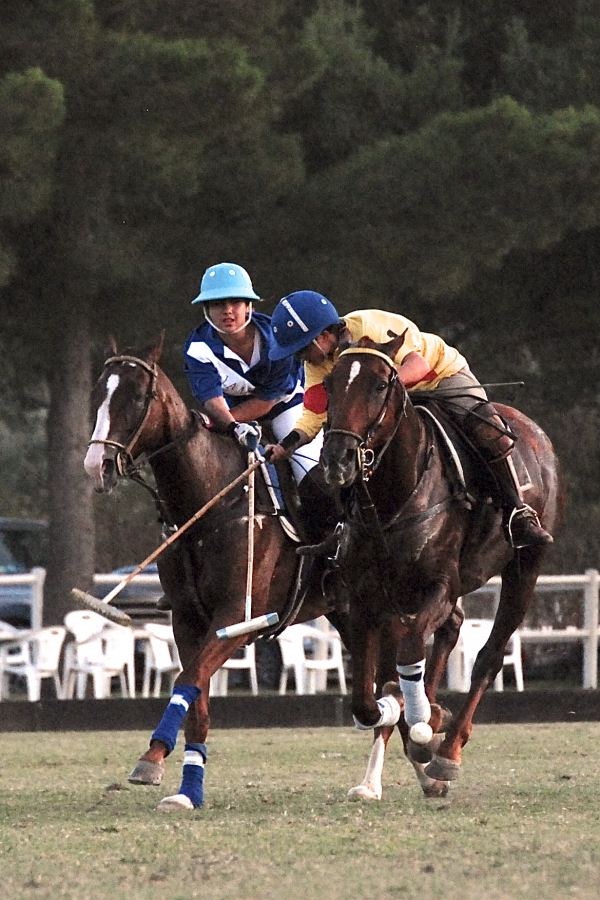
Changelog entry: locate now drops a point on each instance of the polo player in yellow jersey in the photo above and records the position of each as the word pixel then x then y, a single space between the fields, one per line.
pixel 306 324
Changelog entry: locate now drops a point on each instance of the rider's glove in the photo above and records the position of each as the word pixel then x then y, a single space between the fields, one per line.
pixel 247 434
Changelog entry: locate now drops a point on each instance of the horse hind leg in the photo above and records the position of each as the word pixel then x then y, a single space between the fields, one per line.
pixel 370 787
pixel 518 584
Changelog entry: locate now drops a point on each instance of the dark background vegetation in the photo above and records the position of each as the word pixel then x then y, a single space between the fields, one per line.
pixel 439 159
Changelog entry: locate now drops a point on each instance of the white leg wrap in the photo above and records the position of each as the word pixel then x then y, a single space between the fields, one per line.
pixel 390 713
pixel 416 704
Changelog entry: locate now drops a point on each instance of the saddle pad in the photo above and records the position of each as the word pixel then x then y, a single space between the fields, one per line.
pixel 271 479
pixel 522 472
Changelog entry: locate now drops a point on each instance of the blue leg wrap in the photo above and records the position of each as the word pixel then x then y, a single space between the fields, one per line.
pixel 192 784
pixel 180 702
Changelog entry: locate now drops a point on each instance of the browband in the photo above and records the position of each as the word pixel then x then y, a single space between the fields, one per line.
pixel 371 352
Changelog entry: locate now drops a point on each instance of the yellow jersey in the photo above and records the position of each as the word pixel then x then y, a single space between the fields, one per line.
pixel 443 360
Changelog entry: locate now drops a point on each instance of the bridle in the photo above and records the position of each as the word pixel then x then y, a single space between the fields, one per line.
pixel 124 459
pixel 367 460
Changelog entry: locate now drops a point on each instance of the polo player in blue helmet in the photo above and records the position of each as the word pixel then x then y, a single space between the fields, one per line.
pixel 231 372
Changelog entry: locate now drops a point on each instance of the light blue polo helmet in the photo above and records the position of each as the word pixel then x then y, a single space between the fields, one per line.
pixel 225 281
pixel 298 319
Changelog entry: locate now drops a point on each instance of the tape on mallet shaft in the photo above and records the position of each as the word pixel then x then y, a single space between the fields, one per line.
pixel 256 624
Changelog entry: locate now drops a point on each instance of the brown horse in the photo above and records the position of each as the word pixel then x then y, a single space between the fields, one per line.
pixel 204 573
pixel 410 548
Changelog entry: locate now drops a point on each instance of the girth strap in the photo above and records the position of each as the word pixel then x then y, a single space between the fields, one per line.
pixel 399 525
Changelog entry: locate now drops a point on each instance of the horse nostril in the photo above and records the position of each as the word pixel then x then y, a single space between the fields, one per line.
pixel 108 469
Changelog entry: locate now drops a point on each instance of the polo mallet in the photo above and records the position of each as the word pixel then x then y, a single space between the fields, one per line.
pixel 116 615
pixel 249 624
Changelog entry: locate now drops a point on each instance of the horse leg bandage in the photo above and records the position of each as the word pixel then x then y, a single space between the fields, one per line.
pixel 174 714
pixel 192 784
pixel 390 713
pixel 416 704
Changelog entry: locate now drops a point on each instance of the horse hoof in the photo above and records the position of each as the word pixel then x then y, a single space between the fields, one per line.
pixel 177 801
pixel 442 769
pixel 363 792
pixel 435 790
pixel 420 753
pixel 146 772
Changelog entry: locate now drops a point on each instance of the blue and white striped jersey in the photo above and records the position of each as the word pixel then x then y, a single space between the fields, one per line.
pixel 214 370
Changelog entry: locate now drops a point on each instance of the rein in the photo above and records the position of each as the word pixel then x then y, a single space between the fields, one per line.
pixel 124 458
pixel 367 460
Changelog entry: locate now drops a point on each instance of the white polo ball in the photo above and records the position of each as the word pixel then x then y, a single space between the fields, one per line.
pixel 421 733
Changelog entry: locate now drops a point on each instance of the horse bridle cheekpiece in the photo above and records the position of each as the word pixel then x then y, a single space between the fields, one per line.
pixel 124 458
pixel 366 456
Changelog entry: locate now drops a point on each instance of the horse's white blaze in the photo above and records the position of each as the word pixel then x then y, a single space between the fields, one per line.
pixel 370 787
pixel 354 370
pixel 93 458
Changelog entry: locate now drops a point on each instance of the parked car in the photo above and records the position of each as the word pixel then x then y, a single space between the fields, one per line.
pixel 23 545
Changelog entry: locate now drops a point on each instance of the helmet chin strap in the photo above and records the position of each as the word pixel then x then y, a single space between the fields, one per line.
pixel 318 346
pixel 222 330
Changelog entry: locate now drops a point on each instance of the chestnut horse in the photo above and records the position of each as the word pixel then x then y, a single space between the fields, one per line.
pixel 138 411
pixel 410 548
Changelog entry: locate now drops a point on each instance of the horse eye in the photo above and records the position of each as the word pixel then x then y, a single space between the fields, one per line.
pixel 381 387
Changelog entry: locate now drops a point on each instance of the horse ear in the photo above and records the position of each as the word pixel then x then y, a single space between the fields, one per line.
pixel 154 350
pixel 111 347
pixel 392 347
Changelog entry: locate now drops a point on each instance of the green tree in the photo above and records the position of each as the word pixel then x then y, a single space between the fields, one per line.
pixel 164 144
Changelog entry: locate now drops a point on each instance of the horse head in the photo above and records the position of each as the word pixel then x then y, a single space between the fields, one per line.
pixel 364 395
pixel 122 398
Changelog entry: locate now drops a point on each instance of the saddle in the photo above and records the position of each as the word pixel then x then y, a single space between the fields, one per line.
pixel 472 480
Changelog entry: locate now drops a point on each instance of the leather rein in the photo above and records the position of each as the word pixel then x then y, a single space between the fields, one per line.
pixel 368 461
pixel 125 463
pixel 124 459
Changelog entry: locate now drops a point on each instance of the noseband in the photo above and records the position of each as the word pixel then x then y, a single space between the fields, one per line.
pixel 367 462
pixel 124 458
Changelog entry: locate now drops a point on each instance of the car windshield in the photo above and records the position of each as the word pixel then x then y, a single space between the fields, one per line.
pixel 21 548
pixel 8 564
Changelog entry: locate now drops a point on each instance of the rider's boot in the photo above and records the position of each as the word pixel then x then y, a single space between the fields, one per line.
pixel 522 523
pixel 321 513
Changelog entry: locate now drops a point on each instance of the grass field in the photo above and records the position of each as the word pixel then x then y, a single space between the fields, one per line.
pixel 522 822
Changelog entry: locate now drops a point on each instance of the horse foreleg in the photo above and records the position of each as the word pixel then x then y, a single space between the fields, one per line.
pixel 368 651
pixel 444 642
pixel 191 792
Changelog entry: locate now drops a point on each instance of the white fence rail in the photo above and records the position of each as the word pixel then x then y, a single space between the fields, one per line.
pixel 588 585
pixel 35 579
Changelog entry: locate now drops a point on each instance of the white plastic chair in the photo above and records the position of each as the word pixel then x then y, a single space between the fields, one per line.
pixel 101 651
pixel 293 656
pixel 160 657
pixel 33 656
pixel 220 680
pixel 473 635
